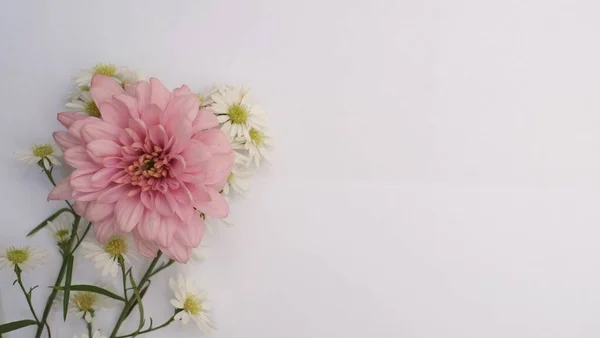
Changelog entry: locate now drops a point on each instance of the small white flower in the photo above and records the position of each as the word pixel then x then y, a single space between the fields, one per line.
pixel 238 181
pixel 26 257
pixel 123 75
pixel 106 256
pixel 235 112
pixel 61 228
pixel 46 153
pixel 97 334
pixel 197 255
pixel 256 146
pixel 190 301
pixel 85 304
pixel 84 104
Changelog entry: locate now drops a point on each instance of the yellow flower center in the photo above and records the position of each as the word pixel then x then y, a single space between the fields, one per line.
pixel 84 88
pixel 192 305
pixel 238 114
pixel 62 235
pixel 42 150
pixel 257 137
pixel 92 109
pixel 116 246
pixel 230 177
pixel 17 256
pixel 105 69
pixel 85 301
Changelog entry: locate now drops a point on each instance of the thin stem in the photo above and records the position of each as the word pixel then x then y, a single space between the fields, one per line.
pixel 59 278
pixel 124 274
pixel 87 229
pixel 27 294
pixel 89 328
pixel 131 301
pixel 152 328
pixel 162 267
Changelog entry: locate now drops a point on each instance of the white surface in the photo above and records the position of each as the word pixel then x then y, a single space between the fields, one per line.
pixel 436 171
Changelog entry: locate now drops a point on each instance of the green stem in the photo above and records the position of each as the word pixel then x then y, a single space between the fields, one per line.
pixel 27 294
pixel 124 274
pixel 59 278
pixel 152 328
pixel 87 229
pixel 89 328
pixel 131 301
pixel 162 267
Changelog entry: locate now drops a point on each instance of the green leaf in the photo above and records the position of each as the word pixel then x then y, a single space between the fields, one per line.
pixel 94 289
pixel 19 324
pixel 51 218
pixel 67 288
pixel 138 299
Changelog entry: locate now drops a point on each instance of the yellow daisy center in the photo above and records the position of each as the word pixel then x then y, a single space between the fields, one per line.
pixel 257 137
pixel 192 305
pixel 92 109
pixel 85 301
pixel 84 88
pixel 105 69
pixel 42 150
pixel 17 256
pixel 62 235
pixel 116 246
pixel 238 113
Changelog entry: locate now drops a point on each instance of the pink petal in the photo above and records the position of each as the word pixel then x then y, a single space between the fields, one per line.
pixel 80 207
pixel 214 170
pixel 217 207
pixel 216 141
pixel 103 148
pixel 159 94
pixel 147 198
pixel 166 230
pixel 65 140
pixel 205 119
pixel 162 206
pixel 195 154
pixel 142 93
pixel 96 212
pixel 77 157
pixel 130 102
pixel 81 180
pixel 148 227
pixel 103 88
pixel 145 248
pixel 86 196
pixel 191 233
pixel 62 191
pixel 177 251
pixel 158 136
pixel 105 229
pixel 150 114
pixel 105 176
pixel 177 165
pixel 183 90
pixel 115 113
pixel 67 118
pixel 112 194
pixel 99 130
pixel 128 212
pixel 181 131
pixel 184 106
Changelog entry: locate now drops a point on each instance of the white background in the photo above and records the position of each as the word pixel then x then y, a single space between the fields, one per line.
pixel 436 170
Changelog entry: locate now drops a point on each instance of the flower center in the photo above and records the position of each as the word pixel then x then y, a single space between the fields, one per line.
pixel 105 69
pixel 238 113
pixel 257 137
pixel 85 301
pixel 92 109
pixel 17 256
pixel 192 305
pixel 116 246
pixel 148 169
pixel 42 150
pixel 62 235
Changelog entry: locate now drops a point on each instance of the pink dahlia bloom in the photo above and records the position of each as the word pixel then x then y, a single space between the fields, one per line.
pixel 145 166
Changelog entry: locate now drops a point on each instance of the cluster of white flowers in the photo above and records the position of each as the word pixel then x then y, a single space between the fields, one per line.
pixel 80 99
pixel 244 124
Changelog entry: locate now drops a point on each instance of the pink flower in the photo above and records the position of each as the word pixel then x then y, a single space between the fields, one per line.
pixel 144 167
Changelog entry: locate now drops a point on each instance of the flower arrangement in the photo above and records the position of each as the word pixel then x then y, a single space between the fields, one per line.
pixel 151 168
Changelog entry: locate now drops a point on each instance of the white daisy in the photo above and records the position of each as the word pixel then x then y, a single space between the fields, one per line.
pixel 25 257
pixel 238 181
pixel 197 255
pixel 85 304
pixel 40 153
pixel 256 146
pixel 123 75
pixel 84 104
pixel 235 112
pixel 190 301
pixel 106 256
pixel 61 228
pixel 97 334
